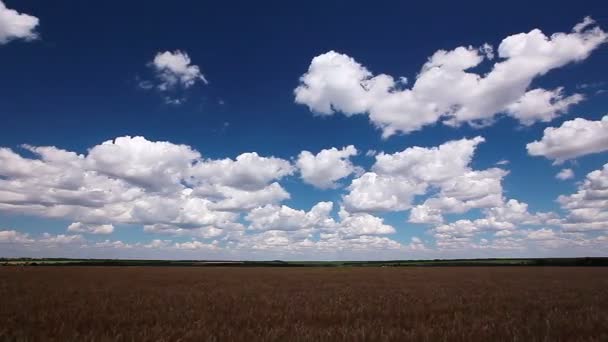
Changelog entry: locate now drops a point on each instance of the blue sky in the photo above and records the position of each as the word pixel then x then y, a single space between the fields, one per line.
pixel 180 130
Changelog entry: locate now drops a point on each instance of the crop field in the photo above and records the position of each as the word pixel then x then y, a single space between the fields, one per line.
pixel 303 304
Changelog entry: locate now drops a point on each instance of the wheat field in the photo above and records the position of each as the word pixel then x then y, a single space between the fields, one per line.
pixel 303 304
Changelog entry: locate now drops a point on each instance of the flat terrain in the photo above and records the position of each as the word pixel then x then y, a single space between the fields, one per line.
pixel 303 304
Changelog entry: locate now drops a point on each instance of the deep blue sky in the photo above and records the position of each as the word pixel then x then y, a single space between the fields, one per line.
pixel 76 86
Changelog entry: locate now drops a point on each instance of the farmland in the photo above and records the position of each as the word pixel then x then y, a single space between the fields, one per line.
pixel 304 303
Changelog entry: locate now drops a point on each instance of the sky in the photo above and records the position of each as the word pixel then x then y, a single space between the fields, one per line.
pixel 345 130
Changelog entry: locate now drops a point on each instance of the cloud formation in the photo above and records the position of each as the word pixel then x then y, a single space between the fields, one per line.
pixel 131 180
pixel 171 189
pixel 232 208
pixel 588 207
pixel 79 227
pixel 445 90
pixel 175 69
pixel 15 25
pixel 565 174
pixel 573 139
pixel 318 219
pixel 174 73
pixel 326 167
pixel 397 179
pixel 504 220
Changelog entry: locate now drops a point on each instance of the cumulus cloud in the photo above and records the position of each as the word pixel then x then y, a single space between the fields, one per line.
pixel 205 232
pixel 473 189
pixel 61 239
pixel 505 219
pixel 176 69
pixel 136 181
pixel 196 245
pixel 516 213
pixel 374 192
pixel 463 234
pixel 326 167
pixel 15 25
pixel 574 138
pixel 48 245
pixel 12 240
pixel 249 171
pixel 174 73
pixel 445 90
pixel 588 207
pixel 397 179
pixel 318 219
pixel 156 244
pixel 79 227
pixel 565 174
pixel 273 217
pixel 347 238
pixel 434 164
pixel 152 165
pixel 232 207
pixel 542 105
pixel 358 224
pixel 541 234
pixel 13 236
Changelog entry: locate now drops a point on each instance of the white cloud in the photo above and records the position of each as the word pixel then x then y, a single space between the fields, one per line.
pixel 542 105
pixel 284 230
pixel 15 25
pixel 326 167
pixel 565 174
pixel 205 232
pixel 542 234
pixel 588 207
pixel 234 199
pixel 318 219
pixel 417 244
pixel 163 245
pixel 15 243
pixel 445 91
pixel 272 217
pixel 574 138
pixel 176 69
pixel 171 189
pixel 79 227
pixel 196 245
pixel 13 236
pixel 354 235
pixel 48 245
pixel 374 192
pixel 248 171
pixel 61 239
pixel 174 73
pixel 373 244
pixel 505 219
pixel 473 189
pixel 396 179
pixel 153 165
pixel 434 164
pixel 357 224
pixel 107 244
pixel 133 180
pixel 516 213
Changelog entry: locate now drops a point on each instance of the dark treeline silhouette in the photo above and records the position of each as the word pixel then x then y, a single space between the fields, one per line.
pixel 587 261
